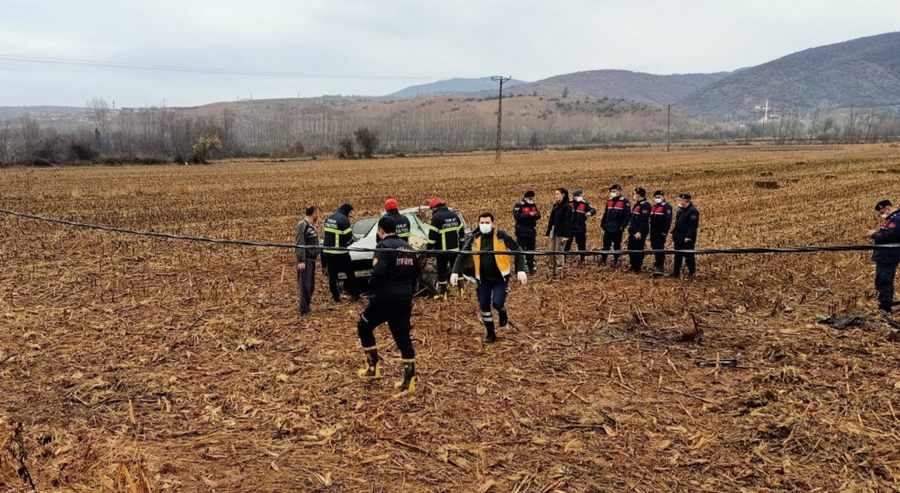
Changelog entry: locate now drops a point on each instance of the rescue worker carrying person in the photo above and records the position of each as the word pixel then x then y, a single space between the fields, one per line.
pixel 339 233
pixel 526 214
pixel 392 208
pixel 445 233
pixel 491 271
pixel 393 274
pixel 886 259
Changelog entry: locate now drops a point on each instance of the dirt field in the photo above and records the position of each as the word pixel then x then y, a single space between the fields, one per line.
pixel 135 364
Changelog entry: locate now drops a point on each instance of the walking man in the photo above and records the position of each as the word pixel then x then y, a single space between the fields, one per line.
pixel 581 214
pixel 638 229
pixel 306 257
pixel 886 259
pixel 526 214
pixel 684 234
pixel 445 233
pixel 615 219
pixel 660 223
pixel 491 271
pixel 339 233
pixel 391 283
pixel 558 226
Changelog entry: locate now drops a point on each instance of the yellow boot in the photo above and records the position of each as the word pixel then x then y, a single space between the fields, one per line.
pixel 408 384
pixel 372 371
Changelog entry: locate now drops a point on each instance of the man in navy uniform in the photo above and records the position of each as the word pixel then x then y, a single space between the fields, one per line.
pixel 615 219
pixel 660 223
pixel 392 208
pixel 445 233
pixel 339 233
pixel 526 214
pixel 638 229
pixel 886 259
pixel 684 234
pixel 582 212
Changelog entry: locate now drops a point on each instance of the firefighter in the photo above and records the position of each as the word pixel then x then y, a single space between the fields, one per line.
pixel 339 233
pixel 558 226
pixel 306 257
pixel 445 233
pixel 684 234
pixel 392 208
pixel 391 301
pixel 615 219
pixel 660 223
pixel 526 214
pixel 886 259
pixel 581 214
pixel 638 228
pixel 492 271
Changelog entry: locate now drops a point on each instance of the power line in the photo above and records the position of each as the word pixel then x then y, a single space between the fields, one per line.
pixel 200 70
pixel 538 253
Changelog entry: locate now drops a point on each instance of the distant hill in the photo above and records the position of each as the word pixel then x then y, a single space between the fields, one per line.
pixel 458 85
pixel 44 113
pixel 622 84
pixel 859 72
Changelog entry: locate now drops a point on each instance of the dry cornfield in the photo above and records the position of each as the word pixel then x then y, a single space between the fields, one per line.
pixel 136 364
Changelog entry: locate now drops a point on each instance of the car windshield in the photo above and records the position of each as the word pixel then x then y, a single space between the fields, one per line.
pixel 362 227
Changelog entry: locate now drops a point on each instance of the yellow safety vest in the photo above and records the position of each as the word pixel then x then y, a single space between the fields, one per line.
pixel 504 262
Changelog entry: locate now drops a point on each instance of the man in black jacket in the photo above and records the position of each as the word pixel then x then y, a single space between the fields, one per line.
pixel 660 224
pixel 558 226
pixel 886 259
pixel 392 208
pixel 445 233
pixel 306 257
pixel 684 234
pixel 391 301
pixel 526 214
pixel 615 218
pixel 581 214
pixel 638 228
pixel 339 233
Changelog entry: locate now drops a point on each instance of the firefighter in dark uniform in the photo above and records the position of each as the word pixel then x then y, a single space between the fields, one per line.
pixel 615 219
pixel 526 214
pixel 339 233
pixel 491 271
pixel 638 228
pixel 392 209
pixel 581 214
pixel 391 283
pixel 660 223
pixel 445 233
pixel 886 259
pixel 684 234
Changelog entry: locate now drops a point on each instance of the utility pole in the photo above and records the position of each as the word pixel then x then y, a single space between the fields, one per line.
pixel 501 80
pixel 668 126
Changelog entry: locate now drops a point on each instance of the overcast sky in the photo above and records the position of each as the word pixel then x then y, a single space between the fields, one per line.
pixel 381 46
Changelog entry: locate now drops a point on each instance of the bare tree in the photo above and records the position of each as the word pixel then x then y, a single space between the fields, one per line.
pixel 367 140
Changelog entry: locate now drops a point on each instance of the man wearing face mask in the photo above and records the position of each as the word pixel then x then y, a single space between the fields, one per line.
pixel 578 221
pixel 638 229
pixel 526 214
pixel 557 227
pixel 615 218
pixel 886 259
pixel 392 278
pixel 660 223
pixel 684 234
pixel 492 271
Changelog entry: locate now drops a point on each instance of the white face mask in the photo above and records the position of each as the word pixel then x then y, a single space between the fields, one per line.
pixel 658 200
pixel 579 199
pixel 485 228
pixel 884 216
pixel 529 201
pixel 613 195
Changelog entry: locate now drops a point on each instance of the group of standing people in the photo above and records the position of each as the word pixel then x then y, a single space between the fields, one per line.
pixel 570 218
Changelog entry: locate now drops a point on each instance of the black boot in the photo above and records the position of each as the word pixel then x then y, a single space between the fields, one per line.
pixel 408 384
pixel 372 371
pixel 885 308
pixel 504 317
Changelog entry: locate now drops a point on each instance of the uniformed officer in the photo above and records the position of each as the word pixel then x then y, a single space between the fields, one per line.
pixel 684 234
pixel 391 283
pixel 445 233
pixel 492 271
pixel 886 259
pixel 339 233
pixel 581 214
pixel 660 223
pixel 392 208
pixel 615 219
pixel 638 228
pixel 526 214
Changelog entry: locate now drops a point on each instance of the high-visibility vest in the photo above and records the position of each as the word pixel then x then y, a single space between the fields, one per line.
pixel 504 262
pixel 443 234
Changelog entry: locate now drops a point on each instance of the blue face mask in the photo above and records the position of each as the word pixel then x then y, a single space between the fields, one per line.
pixel 485 228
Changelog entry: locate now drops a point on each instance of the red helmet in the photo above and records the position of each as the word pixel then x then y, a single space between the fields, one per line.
pixel 435 202
pixel 391 205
